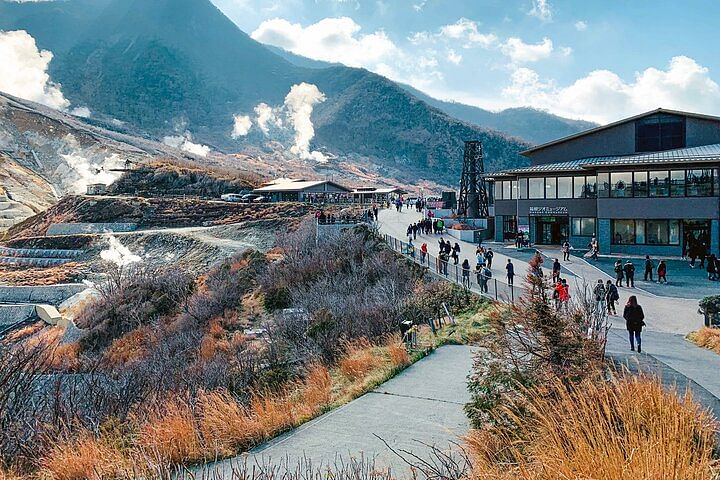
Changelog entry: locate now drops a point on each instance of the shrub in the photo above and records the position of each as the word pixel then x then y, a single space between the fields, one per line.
pixel 171 435
pixel 86 458
pixel 623 429
pixel 707 338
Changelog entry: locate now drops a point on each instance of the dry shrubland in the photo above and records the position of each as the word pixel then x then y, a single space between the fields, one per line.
pixel 166 374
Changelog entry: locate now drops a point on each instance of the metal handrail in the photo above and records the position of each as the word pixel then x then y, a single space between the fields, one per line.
pixel 454 272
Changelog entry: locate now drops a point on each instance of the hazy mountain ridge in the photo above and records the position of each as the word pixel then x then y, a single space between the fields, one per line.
pixel 174 65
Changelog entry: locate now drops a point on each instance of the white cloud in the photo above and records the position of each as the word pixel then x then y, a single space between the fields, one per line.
pixel 418 7
pixel 185 143
pixel 454 57
pixel 581 25
pixel 300 102
pixel 23 70
pixel 467 31
pixel 603 96
pixel 541 9
pixel 521 52
pixel 241 126
pixel 330 39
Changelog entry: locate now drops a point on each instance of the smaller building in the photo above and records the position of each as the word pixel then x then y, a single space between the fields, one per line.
pixel 313 191
pixel 367 195
pixel 97 189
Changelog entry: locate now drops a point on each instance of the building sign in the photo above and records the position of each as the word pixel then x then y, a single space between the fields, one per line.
pixel 548 211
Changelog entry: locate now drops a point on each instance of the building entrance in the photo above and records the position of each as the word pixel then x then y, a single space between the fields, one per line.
pixel 552 230
pixel 696 237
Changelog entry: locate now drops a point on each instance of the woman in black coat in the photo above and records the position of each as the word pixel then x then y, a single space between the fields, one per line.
pixel 634 321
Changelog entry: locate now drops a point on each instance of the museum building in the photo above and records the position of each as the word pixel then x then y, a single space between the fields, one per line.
pixel 648 184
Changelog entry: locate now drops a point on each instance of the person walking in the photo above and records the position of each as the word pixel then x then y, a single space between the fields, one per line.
pixel 444 260
pixel 414 230
pixel 600 296
pixel 479 257
pixel 619 275
pixel 441 243
pixel 612 296
pixel 564 295
pixel 456 253
pixel 556 271
pixel 409 232
pixel 566 251
pixel 649 267
pixel 510 269
pixel 662 272
pixel 634 322
pixel 466 274
pixel 423 253
pixel 489 257
pixel 629 270
pixel 712 267
pixel 486 275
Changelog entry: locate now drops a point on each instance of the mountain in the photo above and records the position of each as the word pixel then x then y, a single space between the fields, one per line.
pixel 532 125
pixel 175 65
pixel 45 154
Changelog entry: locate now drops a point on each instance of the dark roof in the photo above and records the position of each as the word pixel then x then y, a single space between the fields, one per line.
pixel 619 122
pixel 703 154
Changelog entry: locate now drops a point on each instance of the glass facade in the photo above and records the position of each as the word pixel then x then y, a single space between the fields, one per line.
pixel 659 184
pixel 551 187
pixel 646 232
pixel 583 227
pixel 537 188
pixel 621 184
pixel 564 187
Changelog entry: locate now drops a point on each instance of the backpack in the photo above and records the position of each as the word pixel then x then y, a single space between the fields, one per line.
pixel 487 273
pixel 614 295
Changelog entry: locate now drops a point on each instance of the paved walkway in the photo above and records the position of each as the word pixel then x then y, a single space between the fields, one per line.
pixel 421 406
pixel 668 319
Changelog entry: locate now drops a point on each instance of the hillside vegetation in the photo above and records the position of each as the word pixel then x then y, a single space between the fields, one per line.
pixel 160 178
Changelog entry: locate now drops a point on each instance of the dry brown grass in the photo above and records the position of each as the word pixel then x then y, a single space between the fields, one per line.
pixel 225 424
pixel 359 360
pixel 84 458
pixel 171 435
pixel 399 356
pixel 628 429
pixel 706 338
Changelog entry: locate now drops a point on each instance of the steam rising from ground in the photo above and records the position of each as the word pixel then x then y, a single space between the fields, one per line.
pixel 300 103
pixel 23 70
pixel 296 112
pixel 119 254
pixel 86 168
pixel 184 142
pixel 241 126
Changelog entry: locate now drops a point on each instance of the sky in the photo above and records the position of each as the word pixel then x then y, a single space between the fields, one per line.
pixel 588 59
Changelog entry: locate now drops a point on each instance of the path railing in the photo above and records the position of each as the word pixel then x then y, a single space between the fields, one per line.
pixel 489 287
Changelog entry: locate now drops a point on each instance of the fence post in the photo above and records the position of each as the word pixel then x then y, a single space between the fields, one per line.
pixel 496 289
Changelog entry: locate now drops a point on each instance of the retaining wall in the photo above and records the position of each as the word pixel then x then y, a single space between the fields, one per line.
pixel 39 253
pixel 81 228
pixel 51 295
pixel 11 314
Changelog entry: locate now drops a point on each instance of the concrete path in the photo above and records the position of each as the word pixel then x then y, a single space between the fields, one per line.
pixel 668 318
pixel 422 405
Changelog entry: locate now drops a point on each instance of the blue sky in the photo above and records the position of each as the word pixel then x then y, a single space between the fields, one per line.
pixel 598 60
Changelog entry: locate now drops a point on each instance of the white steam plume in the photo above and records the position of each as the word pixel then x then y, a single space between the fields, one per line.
pixel 83 112
pixel 267 117
pixel 241 126
pixel 23 70
pixel 119 254
pixel 185 143
pixel 300 103
pixel 87 169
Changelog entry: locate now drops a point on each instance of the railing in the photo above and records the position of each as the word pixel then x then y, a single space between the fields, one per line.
pixel 489 287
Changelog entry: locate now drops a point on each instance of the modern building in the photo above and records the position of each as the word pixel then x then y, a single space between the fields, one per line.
pixel 648 184
pixel 368 195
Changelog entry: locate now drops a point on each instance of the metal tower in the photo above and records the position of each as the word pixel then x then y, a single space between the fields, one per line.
pixel 473 202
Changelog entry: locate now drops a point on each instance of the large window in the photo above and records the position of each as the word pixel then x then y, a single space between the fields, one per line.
pixel 564 187
pixel 506 190
pixel 640 184
pixel 677 183
pixel 646 232
pixel 523 189
pixel 659 132
pixel 699 183
pixel 551 187
pixel 514 189
pixel 659 184
pixel 591 187
pixel 583 227
pixel 621 184
pixel 603 183
pixel 537 188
